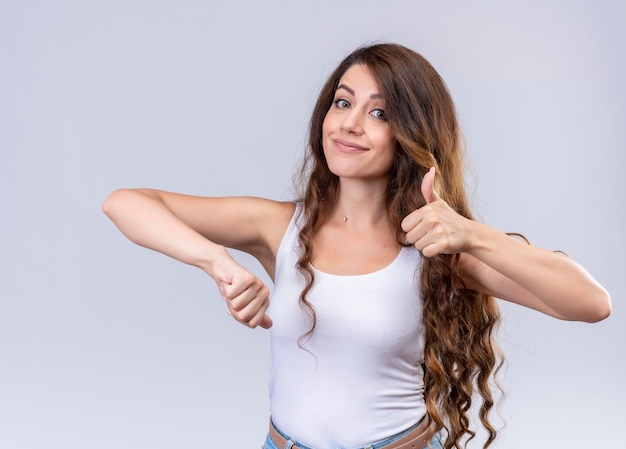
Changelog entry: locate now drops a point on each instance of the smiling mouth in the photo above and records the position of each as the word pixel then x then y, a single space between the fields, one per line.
pixel 348 147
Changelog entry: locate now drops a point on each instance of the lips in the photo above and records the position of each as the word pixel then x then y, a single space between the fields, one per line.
pixel 348 147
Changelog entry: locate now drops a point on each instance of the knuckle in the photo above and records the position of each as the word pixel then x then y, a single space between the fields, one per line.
pixel 248 278
pixel 242 318
pixel 254 322
pixel 433 221
pixel 235 315
pixel 235 306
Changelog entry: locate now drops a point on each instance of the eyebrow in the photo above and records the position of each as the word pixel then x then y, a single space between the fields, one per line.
pixel 351 92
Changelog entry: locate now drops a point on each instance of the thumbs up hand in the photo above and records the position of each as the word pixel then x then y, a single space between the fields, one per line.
pixel 435 228
pixel 245 295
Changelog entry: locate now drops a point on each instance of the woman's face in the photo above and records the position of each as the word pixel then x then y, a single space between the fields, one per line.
pixel 356 136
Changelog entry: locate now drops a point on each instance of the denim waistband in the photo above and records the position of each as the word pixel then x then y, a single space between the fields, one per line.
pixel 379 445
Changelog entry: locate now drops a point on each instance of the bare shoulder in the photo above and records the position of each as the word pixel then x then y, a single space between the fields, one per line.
pixel 273 218
pixel 256 226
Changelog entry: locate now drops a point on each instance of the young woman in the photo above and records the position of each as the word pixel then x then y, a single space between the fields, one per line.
pixel 383 308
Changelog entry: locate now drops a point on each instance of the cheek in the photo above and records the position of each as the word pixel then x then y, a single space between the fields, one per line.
pixel 388 144
pixel 327 125
pixel 327 129
pixel 385 141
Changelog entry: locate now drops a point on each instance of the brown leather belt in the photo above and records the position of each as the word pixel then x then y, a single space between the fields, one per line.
pixel 415 439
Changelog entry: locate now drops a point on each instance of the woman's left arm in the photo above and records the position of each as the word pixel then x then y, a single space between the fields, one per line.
pixel 550 282
pixel 497 264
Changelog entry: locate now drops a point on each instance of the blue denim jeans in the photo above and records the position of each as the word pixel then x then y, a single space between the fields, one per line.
pixel 435 442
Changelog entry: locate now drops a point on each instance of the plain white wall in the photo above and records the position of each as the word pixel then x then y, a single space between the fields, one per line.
pixel 104 344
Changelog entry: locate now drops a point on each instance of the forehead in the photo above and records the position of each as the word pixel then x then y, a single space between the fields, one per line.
pixel 360 79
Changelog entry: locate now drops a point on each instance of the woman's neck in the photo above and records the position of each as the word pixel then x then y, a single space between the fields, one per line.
pixel 360 203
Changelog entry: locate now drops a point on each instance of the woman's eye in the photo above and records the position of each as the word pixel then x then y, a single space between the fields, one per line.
pixel 379 114
pixel 341 103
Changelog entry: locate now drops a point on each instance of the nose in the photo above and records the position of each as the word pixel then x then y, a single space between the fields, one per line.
pixel 352 122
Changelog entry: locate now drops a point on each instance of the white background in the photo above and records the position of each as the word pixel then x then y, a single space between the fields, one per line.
pixel 107 345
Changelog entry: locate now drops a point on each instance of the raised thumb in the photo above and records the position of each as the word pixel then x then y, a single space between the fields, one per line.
pixel 428 186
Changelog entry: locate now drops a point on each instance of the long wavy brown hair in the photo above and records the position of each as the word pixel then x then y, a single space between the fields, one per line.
pixel 461 357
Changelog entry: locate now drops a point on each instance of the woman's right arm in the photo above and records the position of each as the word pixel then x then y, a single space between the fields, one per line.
pixel 195 230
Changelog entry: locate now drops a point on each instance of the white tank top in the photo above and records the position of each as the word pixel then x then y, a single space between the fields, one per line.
pixel 359 378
